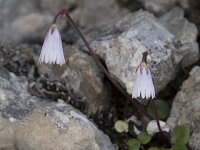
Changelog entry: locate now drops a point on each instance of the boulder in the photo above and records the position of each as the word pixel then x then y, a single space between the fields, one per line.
pixel 185 32
pixel 158 7
pixel 23 21
pixel 83 79
pixel 185 108
pixel 121 46
pixel 29 123
pixel 79 82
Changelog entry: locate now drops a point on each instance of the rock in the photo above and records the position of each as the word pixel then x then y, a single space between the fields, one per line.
pixel 101 12
pixel 24 26
pixel 29 21
pixel 121 46
pixel 52 6
pixel 158 7
pixel 185 33
pixel 79 82
pixel 18 20
pixel 152 127
pixel 185 108
pixel 65 128
pixel 6 135
pixel 83 79
pixel 30 123
pixel 184 3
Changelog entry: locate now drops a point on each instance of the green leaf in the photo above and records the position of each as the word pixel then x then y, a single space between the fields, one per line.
pixel 180 135
pixel 162 108
pixel 121 126
pixel 179 147
pixel 144 138
pixel 153 148
pixel 133 144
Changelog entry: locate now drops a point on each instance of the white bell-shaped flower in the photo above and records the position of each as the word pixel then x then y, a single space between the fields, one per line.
pixel 52 50
pixel 143 85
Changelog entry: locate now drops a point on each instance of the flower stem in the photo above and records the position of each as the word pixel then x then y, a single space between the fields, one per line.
pixel 165 138
pixel 140 108
pixel 156 115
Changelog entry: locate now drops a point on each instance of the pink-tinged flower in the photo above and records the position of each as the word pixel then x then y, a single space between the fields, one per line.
pixel 52 50
pixel 143 85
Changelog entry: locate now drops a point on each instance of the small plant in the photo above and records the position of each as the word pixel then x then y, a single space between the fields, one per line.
pixel 179 136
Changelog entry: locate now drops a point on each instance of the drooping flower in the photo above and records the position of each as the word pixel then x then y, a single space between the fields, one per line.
pixel 52 50
pixel 143 85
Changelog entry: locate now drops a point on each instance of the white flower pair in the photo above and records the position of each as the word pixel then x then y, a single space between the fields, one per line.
pixel 52 53
pixel 52 50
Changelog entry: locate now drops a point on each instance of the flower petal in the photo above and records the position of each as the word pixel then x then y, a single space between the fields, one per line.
pixel 52 50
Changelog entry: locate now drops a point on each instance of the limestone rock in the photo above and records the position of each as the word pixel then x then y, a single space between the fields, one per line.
pixel 121 46
pixel 21 20
pixel 185 108
pixel 79 81
pixel 59 126
pixel 83 79
pixel 185 33
pixel 152 127
pixel 30 123
pixel 6 135
pixel 103 12
pixel 29 27
pixel 158 7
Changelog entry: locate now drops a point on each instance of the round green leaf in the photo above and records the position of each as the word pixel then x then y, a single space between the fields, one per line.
pixel 180 135
pixel 121 126
pixel 144 138
pixel 162 108
pixel 133 144
pixel 179 147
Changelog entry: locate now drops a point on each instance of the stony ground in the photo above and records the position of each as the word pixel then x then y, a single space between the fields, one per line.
pixel 39 101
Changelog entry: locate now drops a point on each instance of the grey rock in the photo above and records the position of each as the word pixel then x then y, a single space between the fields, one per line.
pixel 79 82
pixel 158 7
pixel 15 102
pixel 184 3
pixel 21 20
pixel 6 135
pixel 91 13
pixel 121 46
pixel 65 128
pixel 187 51
pixel 31 26
pixel 29 123
pixel 52 6
pixel 185 108
pixel 83 79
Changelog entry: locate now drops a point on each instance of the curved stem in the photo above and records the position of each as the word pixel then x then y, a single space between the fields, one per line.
pixel 156 114
pixel 140 108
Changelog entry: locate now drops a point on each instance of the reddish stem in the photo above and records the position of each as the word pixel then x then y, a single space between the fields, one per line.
pixel 153 105
pixel 140 108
